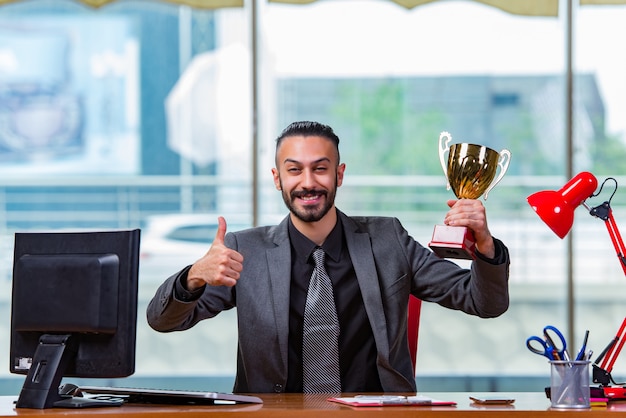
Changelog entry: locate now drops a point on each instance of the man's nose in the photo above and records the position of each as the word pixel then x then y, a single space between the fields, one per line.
pixel 308 179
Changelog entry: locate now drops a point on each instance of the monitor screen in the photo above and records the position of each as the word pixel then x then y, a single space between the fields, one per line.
pixel 73 310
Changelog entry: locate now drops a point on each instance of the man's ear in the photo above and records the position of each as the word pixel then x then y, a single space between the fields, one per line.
pixel 340 169
pixel 276 176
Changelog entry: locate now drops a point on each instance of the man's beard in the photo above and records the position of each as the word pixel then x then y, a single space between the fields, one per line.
pixel 309 213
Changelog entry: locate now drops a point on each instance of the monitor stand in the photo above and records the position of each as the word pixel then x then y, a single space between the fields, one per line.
pixel 79 402
pixel 41 387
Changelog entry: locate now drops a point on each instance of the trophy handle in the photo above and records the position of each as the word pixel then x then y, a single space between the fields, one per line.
pixel 444 145
pixel 503 162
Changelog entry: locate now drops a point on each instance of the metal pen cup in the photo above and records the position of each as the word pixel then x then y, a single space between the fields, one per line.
pixel 569 384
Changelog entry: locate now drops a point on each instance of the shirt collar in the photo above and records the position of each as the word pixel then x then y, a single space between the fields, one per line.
pixel 304 247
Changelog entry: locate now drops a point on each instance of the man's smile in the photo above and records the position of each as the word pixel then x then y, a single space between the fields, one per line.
pixel 309 197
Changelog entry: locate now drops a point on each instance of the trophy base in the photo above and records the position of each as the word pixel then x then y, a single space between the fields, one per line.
pixel 453 242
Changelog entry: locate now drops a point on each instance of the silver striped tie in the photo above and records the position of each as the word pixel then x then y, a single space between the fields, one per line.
pixel 320 341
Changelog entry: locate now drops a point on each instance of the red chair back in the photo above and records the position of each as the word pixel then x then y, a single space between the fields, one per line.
pixel 415 307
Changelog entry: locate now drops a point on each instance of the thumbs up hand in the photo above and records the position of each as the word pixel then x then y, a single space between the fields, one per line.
pixel 220 266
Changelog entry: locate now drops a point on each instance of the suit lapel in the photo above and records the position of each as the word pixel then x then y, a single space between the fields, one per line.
pixel 279 267
pixel 360 250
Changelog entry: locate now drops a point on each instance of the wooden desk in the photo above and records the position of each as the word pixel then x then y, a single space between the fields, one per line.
pixel 527 405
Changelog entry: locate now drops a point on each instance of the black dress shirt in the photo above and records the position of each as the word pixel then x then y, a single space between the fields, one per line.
pixel 357 350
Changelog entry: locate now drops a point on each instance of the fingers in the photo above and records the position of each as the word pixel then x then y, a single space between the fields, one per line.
pixel 471 214
pixel 221 230
pixel 467 212
pixel 226 267
pixel 220 266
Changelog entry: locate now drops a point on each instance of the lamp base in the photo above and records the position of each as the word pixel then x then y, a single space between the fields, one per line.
pixel 453 242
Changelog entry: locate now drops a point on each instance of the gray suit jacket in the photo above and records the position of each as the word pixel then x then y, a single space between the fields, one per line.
pixel 389 266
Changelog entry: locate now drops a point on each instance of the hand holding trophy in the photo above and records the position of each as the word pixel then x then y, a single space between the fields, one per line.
pixel 471 172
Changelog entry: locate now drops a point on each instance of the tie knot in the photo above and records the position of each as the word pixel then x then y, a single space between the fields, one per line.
pixel 318 256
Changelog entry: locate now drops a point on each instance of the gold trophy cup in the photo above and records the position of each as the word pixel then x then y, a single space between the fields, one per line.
pixel 471 172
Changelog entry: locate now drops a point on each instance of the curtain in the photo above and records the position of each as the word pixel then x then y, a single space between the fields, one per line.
pixel 603 2
pixel 518 7
pixel 200 4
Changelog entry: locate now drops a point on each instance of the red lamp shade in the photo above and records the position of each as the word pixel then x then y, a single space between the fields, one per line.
pixel 556 208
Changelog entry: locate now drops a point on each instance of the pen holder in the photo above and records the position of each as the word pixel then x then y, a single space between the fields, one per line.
pixel 569 384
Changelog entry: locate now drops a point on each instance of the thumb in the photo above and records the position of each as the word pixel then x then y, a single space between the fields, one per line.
pixel 221 230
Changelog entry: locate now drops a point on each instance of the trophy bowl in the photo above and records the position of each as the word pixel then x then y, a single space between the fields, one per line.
pixel 471 171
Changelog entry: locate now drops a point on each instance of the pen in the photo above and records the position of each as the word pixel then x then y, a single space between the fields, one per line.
pixel 581 353
pixel 394 402
pixel 381 397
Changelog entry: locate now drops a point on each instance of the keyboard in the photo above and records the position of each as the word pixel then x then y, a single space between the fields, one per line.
pixel 166 396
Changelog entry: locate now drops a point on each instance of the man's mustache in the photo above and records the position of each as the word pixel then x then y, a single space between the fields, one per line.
pixel 308 193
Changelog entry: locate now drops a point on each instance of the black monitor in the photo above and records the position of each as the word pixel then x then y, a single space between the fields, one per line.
pixel 73 311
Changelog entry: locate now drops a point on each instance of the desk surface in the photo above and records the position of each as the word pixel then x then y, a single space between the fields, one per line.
pixel 296 405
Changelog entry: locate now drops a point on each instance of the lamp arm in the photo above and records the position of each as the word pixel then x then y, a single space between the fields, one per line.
pixel 605 213
pixel 618 243
pixel 602 370
pixel 616 348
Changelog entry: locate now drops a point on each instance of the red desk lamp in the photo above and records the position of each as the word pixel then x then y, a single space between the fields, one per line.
pixel 556 209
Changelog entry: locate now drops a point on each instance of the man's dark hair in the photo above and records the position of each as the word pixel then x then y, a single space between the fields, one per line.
pixel 307 128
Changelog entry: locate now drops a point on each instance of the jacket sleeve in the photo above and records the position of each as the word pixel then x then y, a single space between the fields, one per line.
pixel 172 310
pixel 481 290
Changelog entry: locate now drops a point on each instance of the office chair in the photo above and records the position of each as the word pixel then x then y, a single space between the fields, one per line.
pixel 415 307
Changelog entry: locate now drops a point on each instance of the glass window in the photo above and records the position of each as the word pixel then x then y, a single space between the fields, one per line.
pixel 112 117
pixel 597 273
pixel 390 80
pixel 155 115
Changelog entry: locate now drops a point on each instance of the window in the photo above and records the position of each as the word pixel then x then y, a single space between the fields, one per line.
pixel 111 116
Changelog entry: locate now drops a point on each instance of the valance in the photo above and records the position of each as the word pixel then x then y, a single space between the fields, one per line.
pixel 199 4
pixel 517 7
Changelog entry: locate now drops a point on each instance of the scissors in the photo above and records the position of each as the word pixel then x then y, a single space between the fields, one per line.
pixel 552 345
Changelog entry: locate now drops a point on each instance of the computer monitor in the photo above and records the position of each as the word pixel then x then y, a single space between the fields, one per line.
pixel 73 311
